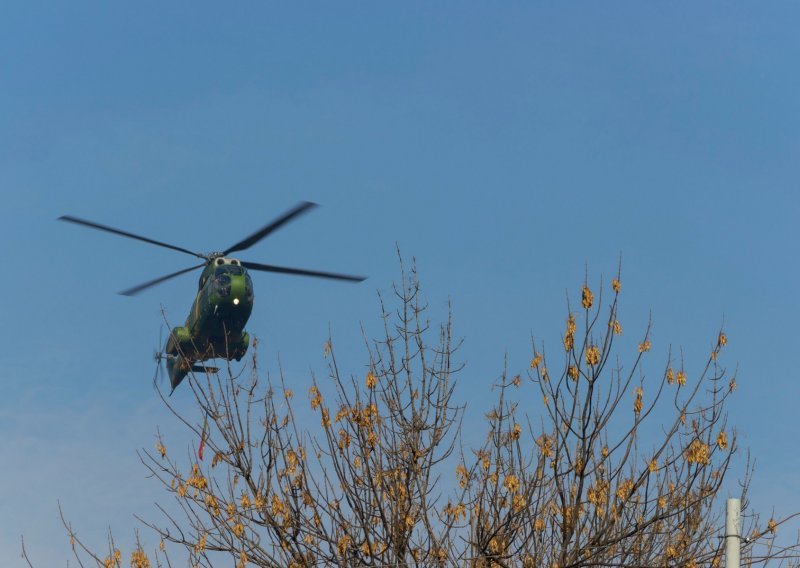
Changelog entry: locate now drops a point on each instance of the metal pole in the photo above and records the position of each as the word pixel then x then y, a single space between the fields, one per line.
pixel 733 533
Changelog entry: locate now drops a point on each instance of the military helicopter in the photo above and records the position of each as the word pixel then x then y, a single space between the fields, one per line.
pixel 224 300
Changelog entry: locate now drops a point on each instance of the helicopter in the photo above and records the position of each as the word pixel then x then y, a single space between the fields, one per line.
pixel 224 299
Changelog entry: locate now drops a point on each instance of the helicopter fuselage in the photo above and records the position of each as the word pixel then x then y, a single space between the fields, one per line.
pixel 215 326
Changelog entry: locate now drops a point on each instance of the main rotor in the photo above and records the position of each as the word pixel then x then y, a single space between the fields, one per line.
pixel 300 209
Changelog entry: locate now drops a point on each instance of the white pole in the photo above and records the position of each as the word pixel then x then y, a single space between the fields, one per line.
pixel 733 530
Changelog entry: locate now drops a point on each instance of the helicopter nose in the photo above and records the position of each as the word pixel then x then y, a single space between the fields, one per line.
pixel 237 290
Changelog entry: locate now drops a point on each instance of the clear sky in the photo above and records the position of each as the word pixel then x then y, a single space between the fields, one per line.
pixel 507 146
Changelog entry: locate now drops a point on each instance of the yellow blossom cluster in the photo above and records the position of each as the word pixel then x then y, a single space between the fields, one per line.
pixel 536 361
pixel 511 483
pixel 457 512
pixel 462 474
pixel 139 559
pixel 624 489
pixel 343 545
pixel 278 508
pixel 201 544
pixel 197 480
pixel 114 560
pixel 545 444
pixel 637 403
pixel 587 298
pixel 698 452
pixel 616 285
pixel 371 380
pixel 212 504
pixel 644 346
pixel 316 397
pixel 569 337
pixel 497 545
pixel 593 355
pixel 722 440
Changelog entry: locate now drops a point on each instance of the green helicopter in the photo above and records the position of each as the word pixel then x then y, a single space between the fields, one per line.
pixel 224 299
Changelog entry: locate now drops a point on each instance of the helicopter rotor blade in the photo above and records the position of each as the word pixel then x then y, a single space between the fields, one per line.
pixel 85 223
pixel 136 289
pixel 301 272
pixel 296 211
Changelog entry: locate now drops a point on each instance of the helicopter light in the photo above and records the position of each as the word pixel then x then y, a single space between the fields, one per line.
pixel 236 301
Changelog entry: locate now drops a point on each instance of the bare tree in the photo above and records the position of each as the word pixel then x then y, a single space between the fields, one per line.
pixel 581 478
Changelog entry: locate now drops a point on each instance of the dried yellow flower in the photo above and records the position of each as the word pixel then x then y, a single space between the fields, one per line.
pixel 681 378
pixel 569 337
pixel 616 285
pixel 545 444
pixel 670 376
pixel 462 474
pixel 593 355
pixel 161 449
pixel 536 361
pixel 587 298
pixel 511 483
pixel 624 489
pixel 617 327
pixel 653 465
pixel 722 440
pixel 772 526
pixel 637 403
pixel 371 380
pixel 698 452
pixel 573 372
pixel 139 559
pixel 644 346
pixel 516 432
pixel 722 339
pixel 344 544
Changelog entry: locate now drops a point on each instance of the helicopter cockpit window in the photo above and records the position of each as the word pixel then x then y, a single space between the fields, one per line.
pixel 229 269
pixel 222 283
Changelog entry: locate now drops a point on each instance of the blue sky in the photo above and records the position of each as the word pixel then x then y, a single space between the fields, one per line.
pixel 507 147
